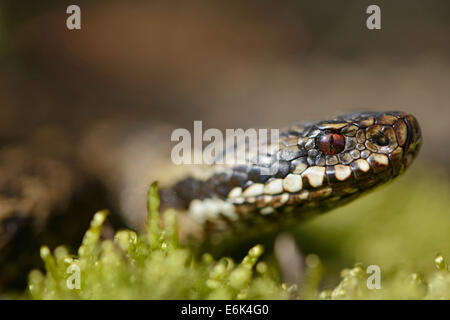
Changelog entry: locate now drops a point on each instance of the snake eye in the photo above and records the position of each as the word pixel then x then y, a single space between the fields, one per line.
pixel 380 139
pixel 331 143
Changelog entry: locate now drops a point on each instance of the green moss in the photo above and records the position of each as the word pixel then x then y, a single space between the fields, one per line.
pixel 150 266
pixel 400 228
pixel 401 285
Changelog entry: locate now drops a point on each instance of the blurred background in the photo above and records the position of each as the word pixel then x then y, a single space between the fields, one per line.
pixel 77 107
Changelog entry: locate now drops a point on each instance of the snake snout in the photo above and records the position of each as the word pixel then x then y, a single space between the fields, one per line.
pixel 413 140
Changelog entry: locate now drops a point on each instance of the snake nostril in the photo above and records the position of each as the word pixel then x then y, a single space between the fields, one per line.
pixel 380 140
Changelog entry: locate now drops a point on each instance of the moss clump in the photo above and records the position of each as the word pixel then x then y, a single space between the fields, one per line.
pixel 400 229
pixel 149 266
pixel 400 285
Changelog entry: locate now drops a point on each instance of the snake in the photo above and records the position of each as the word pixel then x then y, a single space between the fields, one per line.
pixel 315 166
pixel 320 165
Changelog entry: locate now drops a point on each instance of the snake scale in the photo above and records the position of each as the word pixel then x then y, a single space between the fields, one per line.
pixel 320 165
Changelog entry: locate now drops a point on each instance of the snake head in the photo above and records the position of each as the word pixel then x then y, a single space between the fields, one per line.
pixel 369 147
pixel 319 165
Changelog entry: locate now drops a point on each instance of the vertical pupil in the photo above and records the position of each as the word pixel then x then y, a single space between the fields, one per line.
pixel 331 143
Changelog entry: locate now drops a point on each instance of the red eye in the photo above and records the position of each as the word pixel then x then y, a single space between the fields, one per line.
pixel 331 143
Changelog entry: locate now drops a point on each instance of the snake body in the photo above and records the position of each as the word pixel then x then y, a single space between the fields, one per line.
pixel 320 165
